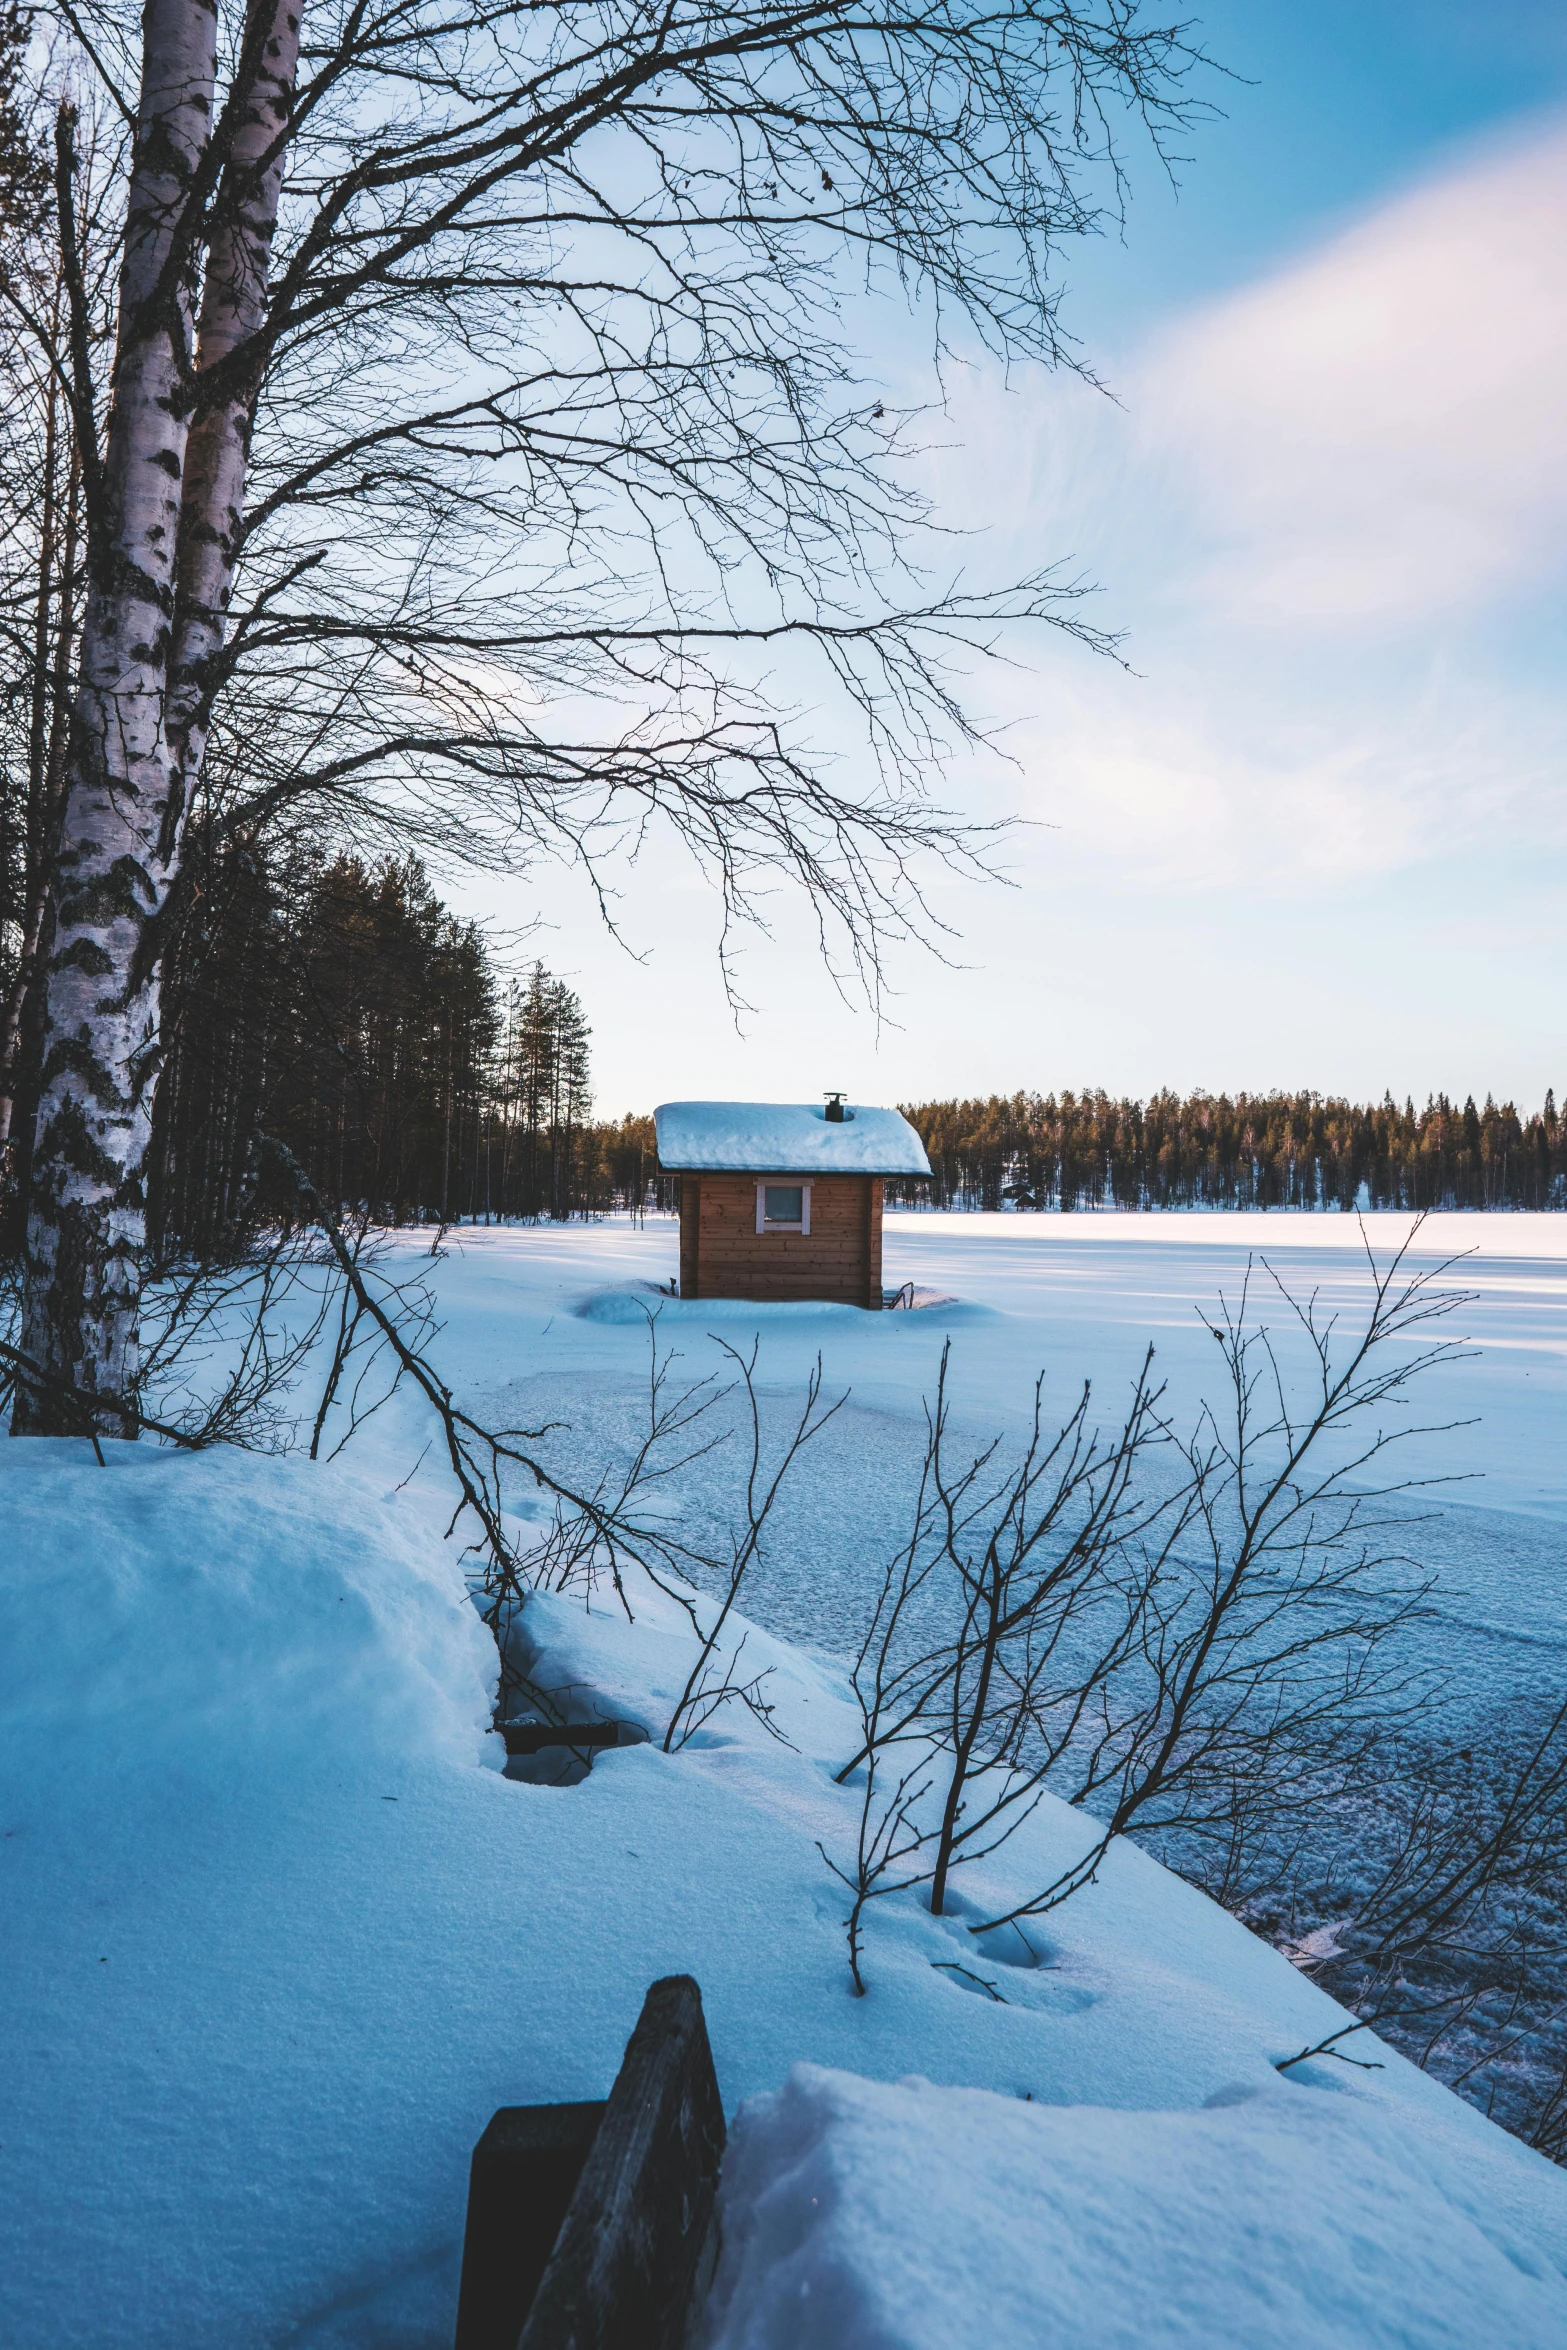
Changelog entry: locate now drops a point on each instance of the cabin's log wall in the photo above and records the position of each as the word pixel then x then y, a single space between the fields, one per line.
pixel 690 1220
pixel 838 1261
pixel 874 1189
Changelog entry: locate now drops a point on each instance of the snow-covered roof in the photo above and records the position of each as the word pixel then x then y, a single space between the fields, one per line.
pixel 786 1138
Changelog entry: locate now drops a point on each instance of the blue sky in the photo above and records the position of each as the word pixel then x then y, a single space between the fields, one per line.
pixel 1333 106
pixel 1319 837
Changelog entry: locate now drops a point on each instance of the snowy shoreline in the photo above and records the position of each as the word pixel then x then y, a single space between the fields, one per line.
pixel 278 1937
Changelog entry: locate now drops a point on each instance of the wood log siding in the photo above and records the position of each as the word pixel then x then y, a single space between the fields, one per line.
pixel 837 1262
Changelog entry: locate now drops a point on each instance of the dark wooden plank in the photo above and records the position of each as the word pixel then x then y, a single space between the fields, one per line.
pixel 764 1293
pixel 795 1275
pixel 740 1281
pixel 768 1252
pixel 524 2172
pixel 740 1231
pixel 628 2256
pixel 529 1735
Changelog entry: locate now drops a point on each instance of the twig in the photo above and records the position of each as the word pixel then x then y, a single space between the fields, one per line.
pixel 950 1966
pixel 1330 2047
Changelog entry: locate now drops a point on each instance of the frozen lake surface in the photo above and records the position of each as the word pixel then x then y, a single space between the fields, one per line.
pixel 1077 1297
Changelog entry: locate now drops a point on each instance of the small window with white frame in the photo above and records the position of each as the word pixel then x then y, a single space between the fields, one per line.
pixel 783 1207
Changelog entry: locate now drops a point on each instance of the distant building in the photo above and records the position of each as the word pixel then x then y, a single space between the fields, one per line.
pixel 781 1202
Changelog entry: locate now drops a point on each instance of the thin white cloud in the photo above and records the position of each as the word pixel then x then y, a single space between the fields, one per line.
pixel 1377 435
pixel 1199 777
pixel 1311 510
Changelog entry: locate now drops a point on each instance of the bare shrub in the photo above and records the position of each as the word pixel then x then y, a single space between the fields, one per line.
pixel 715 1679
pixel 1431 1901
pixel 1167 1634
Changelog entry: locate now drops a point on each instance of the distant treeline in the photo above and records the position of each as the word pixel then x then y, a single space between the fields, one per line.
pixel 1274 1150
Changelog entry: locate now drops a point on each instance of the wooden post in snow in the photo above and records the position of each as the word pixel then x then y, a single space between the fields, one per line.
pixel 624 2273
pixel 634 2249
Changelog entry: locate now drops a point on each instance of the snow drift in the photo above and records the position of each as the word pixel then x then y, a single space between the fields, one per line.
pixel 869 2216
pixel 276 1937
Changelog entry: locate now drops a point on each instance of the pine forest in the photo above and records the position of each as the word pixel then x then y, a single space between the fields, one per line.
pixel 1273 1150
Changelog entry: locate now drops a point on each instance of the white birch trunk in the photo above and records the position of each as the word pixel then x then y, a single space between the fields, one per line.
pixel 161 571
pixel 233 308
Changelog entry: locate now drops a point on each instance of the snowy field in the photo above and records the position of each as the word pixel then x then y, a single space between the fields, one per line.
pixel 277 1936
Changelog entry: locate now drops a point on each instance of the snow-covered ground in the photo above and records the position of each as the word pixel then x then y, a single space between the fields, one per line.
pixel 277 1936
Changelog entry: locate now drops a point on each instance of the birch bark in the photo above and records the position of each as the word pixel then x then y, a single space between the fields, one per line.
pixel 161 561
pixel 233 310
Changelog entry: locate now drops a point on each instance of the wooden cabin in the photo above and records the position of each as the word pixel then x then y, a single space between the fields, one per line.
pixel 780 1202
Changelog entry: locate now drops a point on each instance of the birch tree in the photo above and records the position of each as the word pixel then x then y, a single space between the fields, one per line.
pixel 164 493
pixel 421 329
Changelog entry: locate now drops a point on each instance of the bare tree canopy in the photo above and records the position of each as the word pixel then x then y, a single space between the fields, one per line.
pixel 482 424
pixel 42 529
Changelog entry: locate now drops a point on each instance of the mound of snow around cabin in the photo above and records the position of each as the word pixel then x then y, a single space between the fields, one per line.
pixel 633 1307
pixel 278 1937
